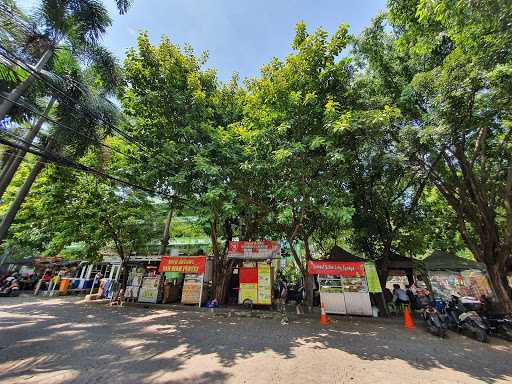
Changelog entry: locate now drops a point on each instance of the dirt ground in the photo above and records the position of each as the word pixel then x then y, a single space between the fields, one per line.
pixel 56 340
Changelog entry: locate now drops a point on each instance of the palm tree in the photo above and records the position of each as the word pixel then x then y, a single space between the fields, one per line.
pixel 87 130
pixel 77 24
pixel 105 67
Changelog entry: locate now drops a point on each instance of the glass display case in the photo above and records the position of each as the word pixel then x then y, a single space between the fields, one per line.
pixel 331 294
pixel 345 295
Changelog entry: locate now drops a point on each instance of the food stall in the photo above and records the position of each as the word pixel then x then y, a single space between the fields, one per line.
pixel 193 268
pixel 255 284
pixel 151 287
pixel 256 272
pixel 345 287
pixel 450 274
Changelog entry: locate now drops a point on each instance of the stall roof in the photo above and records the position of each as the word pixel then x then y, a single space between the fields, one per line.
pixel 440 260
pixel 27 261
pixel 397 261
pixel 339 254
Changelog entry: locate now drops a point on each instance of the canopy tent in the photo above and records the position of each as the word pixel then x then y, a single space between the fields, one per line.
pixel 395 261
pixel 442 261
pixel 339 254
pixel 27 261
pixel 450 274
pixel 396 265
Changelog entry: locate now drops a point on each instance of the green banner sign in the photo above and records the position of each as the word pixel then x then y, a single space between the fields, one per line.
pixel 372 278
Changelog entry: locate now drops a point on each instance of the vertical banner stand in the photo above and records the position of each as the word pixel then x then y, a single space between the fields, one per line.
pixel 201 291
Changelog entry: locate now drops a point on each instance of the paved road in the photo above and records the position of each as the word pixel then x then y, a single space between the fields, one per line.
pixel 59 341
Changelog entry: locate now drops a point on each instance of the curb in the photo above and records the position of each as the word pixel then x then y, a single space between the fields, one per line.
pixel 219 311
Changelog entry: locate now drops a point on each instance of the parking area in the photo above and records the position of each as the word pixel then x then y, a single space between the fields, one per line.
pixel 58 340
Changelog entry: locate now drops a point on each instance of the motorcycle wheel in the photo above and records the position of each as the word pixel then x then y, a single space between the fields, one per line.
pixel 505 332
pixel 481 335
pixel 248 304
pixel 432 329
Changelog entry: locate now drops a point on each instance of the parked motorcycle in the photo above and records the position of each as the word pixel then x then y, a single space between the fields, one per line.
pixel 10 289
pixel 435 321
pixel 462 317
pixel 499 325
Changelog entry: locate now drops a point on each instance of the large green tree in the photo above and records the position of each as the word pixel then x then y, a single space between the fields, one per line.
pixel 447 67
pixel 294 161
pixel 168 104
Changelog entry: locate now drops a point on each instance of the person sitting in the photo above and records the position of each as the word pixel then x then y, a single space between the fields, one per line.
pixel 411 295
pixel 399 295
pixel 388 299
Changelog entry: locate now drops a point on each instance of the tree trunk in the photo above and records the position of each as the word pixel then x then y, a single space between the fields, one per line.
pixel 14 162
pixel 7 156
pixel 500 286
pixel 222 267
pixel 308 281
pixel 15 94
pixel 124 274
pixel 383 270
pixel 20 198
pixel 166 235
pixel 297 259
pixel 222 284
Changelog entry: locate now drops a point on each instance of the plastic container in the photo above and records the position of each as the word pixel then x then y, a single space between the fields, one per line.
pixel 63 286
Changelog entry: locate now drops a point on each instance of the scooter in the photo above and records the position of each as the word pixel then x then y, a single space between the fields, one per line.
pixel 464 319
pixel 436 322
pixel 499 325
pixel 11 290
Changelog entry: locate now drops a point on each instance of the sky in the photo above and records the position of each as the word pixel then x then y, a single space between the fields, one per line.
pixel 240 36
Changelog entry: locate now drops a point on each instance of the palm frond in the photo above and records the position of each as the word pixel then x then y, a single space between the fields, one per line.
pixel 51 15
pixel 8 76
pixel 81 21
pixel 123 6
pixel 17 30
pixel 104 65
pixel 90 18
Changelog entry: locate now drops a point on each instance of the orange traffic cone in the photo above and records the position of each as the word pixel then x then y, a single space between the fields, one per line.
pixel 408 323
pixel 324 320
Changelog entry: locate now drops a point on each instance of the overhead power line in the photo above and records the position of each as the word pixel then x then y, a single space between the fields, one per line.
pixel 68 163
pixel 126 136
pixel 31 108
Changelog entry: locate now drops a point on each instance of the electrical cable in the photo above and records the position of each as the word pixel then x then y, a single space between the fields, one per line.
pixel 67 163
pixel 30 108
pixel 123 134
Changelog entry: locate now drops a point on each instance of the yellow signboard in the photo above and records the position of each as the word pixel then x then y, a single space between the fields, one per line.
pixel 248 291
pixel 264 284
pixel 191 292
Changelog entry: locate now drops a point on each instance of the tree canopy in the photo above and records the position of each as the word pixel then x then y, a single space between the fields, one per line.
pixel 394 141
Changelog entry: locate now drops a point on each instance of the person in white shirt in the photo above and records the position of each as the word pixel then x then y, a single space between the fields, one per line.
pixel 399 295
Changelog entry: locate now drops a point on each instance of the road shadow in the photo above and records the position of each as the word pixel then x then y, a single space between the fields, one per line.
pixel 92 343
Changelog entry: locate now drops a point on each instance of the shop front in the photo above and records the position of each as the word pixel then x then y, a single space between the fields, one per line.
pixel 257 262
pixel 345 287
pixel 185 278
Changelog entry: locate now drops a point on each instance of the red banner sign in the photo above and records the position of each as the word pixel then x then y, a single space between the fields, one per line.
pixel 264 249
pixel 348 268
pixel 192 264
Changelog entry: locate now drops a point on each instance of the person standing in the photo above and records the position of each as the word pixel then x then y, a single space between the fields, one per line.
pixel 283 294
